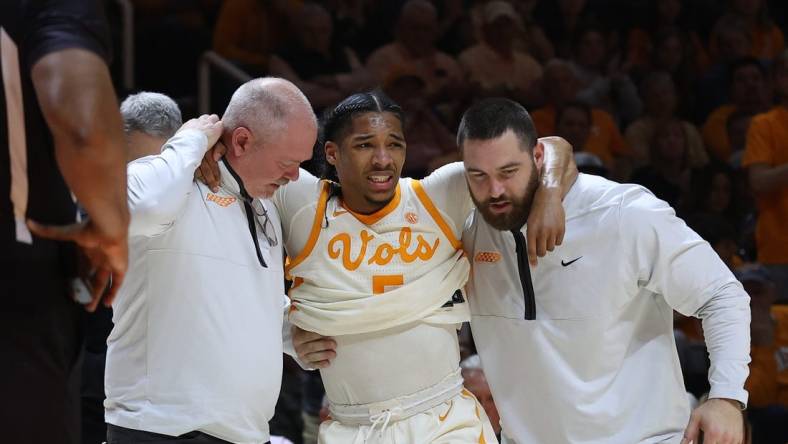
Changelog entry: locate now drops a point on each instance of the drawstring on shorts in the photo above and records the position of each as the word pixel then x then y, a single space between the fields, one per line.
pixel 376 418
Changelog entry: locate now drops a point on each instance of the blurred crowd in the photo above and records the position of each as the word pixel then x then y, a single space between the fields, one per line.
pixel 687 98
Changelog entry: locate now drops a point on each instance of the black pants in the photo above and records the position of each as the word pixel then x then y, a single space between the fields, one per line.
pixel 41 343
pixel 122 435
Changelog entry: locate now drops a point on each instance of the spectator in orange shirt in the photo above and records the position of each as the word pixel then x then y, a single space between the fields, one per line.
pixel 768 380
pixel 766 157
pixel 748 94
pixel 560 84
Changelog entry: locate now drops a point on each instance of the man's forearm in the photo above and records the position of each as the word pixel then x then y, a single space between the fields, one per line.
pixel 559 171
pixel 78 102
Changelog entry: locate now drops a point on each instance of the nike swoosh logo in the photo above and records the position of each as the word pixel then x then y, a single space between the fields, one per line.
pixel 443 417
pixel 339 212
pixel 566 264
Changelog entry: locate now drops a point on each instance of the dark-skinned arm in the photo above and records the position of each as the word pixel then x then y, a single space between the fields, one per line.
pixel 547 221
pixel 78 102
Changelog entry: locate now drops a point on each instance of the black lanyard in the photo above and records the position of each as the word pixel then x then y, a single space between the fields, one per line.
pixel 250 214
pixel 524 270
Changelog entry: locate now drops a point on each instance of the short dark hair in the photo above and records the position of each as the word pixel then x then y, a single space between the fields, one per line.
pixel 337 122
pixel 491 118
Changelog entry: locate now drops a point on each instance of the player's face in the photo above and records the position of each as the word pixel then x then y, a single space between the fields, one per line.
pixel 502 178
pixel 369 160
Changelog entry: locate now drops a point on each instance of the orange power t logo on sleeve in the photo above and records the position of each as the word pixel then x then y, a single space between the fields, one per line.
pixel 487 256
pixel 222 201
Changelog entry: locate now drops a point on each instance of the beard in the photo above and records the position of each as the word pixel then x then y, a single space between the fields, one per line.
pixel 517 215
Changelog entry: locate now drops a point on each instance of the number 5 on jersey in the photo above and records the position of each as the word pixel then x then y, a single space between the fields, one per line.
pixel 381 281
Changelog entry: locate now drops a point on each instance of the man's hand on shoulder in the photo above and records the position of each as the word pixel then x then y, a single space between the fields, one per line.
pixel 210 125
pixel 208 171
pixel 547 220
pixel 559 169
pixel 720 420
pixel 546 224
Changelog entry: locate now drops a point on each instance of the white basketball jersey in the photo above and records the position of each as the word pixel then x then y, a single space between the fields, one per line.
pixel 361 273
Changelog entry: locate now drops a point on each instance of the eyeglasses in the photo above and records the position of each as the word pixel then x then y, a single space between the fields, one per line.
pixel 264 223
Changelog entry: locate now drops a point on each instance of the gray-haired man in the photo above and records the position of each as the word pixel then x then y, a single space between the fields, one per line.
pixel 149 119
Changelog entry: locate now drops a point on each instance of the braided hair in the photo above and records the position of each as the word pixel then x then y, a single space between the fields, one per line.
pixel 337 121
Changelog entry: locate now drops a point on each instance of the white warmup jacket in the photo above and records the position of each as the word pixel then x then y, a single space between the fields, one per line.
pixel 197 342
pixel 596 362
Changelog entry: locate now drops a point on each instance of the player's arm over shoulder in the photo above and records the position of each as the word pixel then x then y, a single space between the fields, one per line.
pixel 293 198
pixel 448 190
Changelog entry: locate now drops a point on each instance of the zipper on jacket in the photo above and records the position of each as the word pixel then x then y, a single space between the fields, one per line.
pixel 524 271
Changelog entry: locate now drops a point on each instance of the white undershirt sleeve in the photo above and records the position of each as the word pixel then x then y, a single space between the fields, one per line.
pixel 159 185
pixel 672 260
